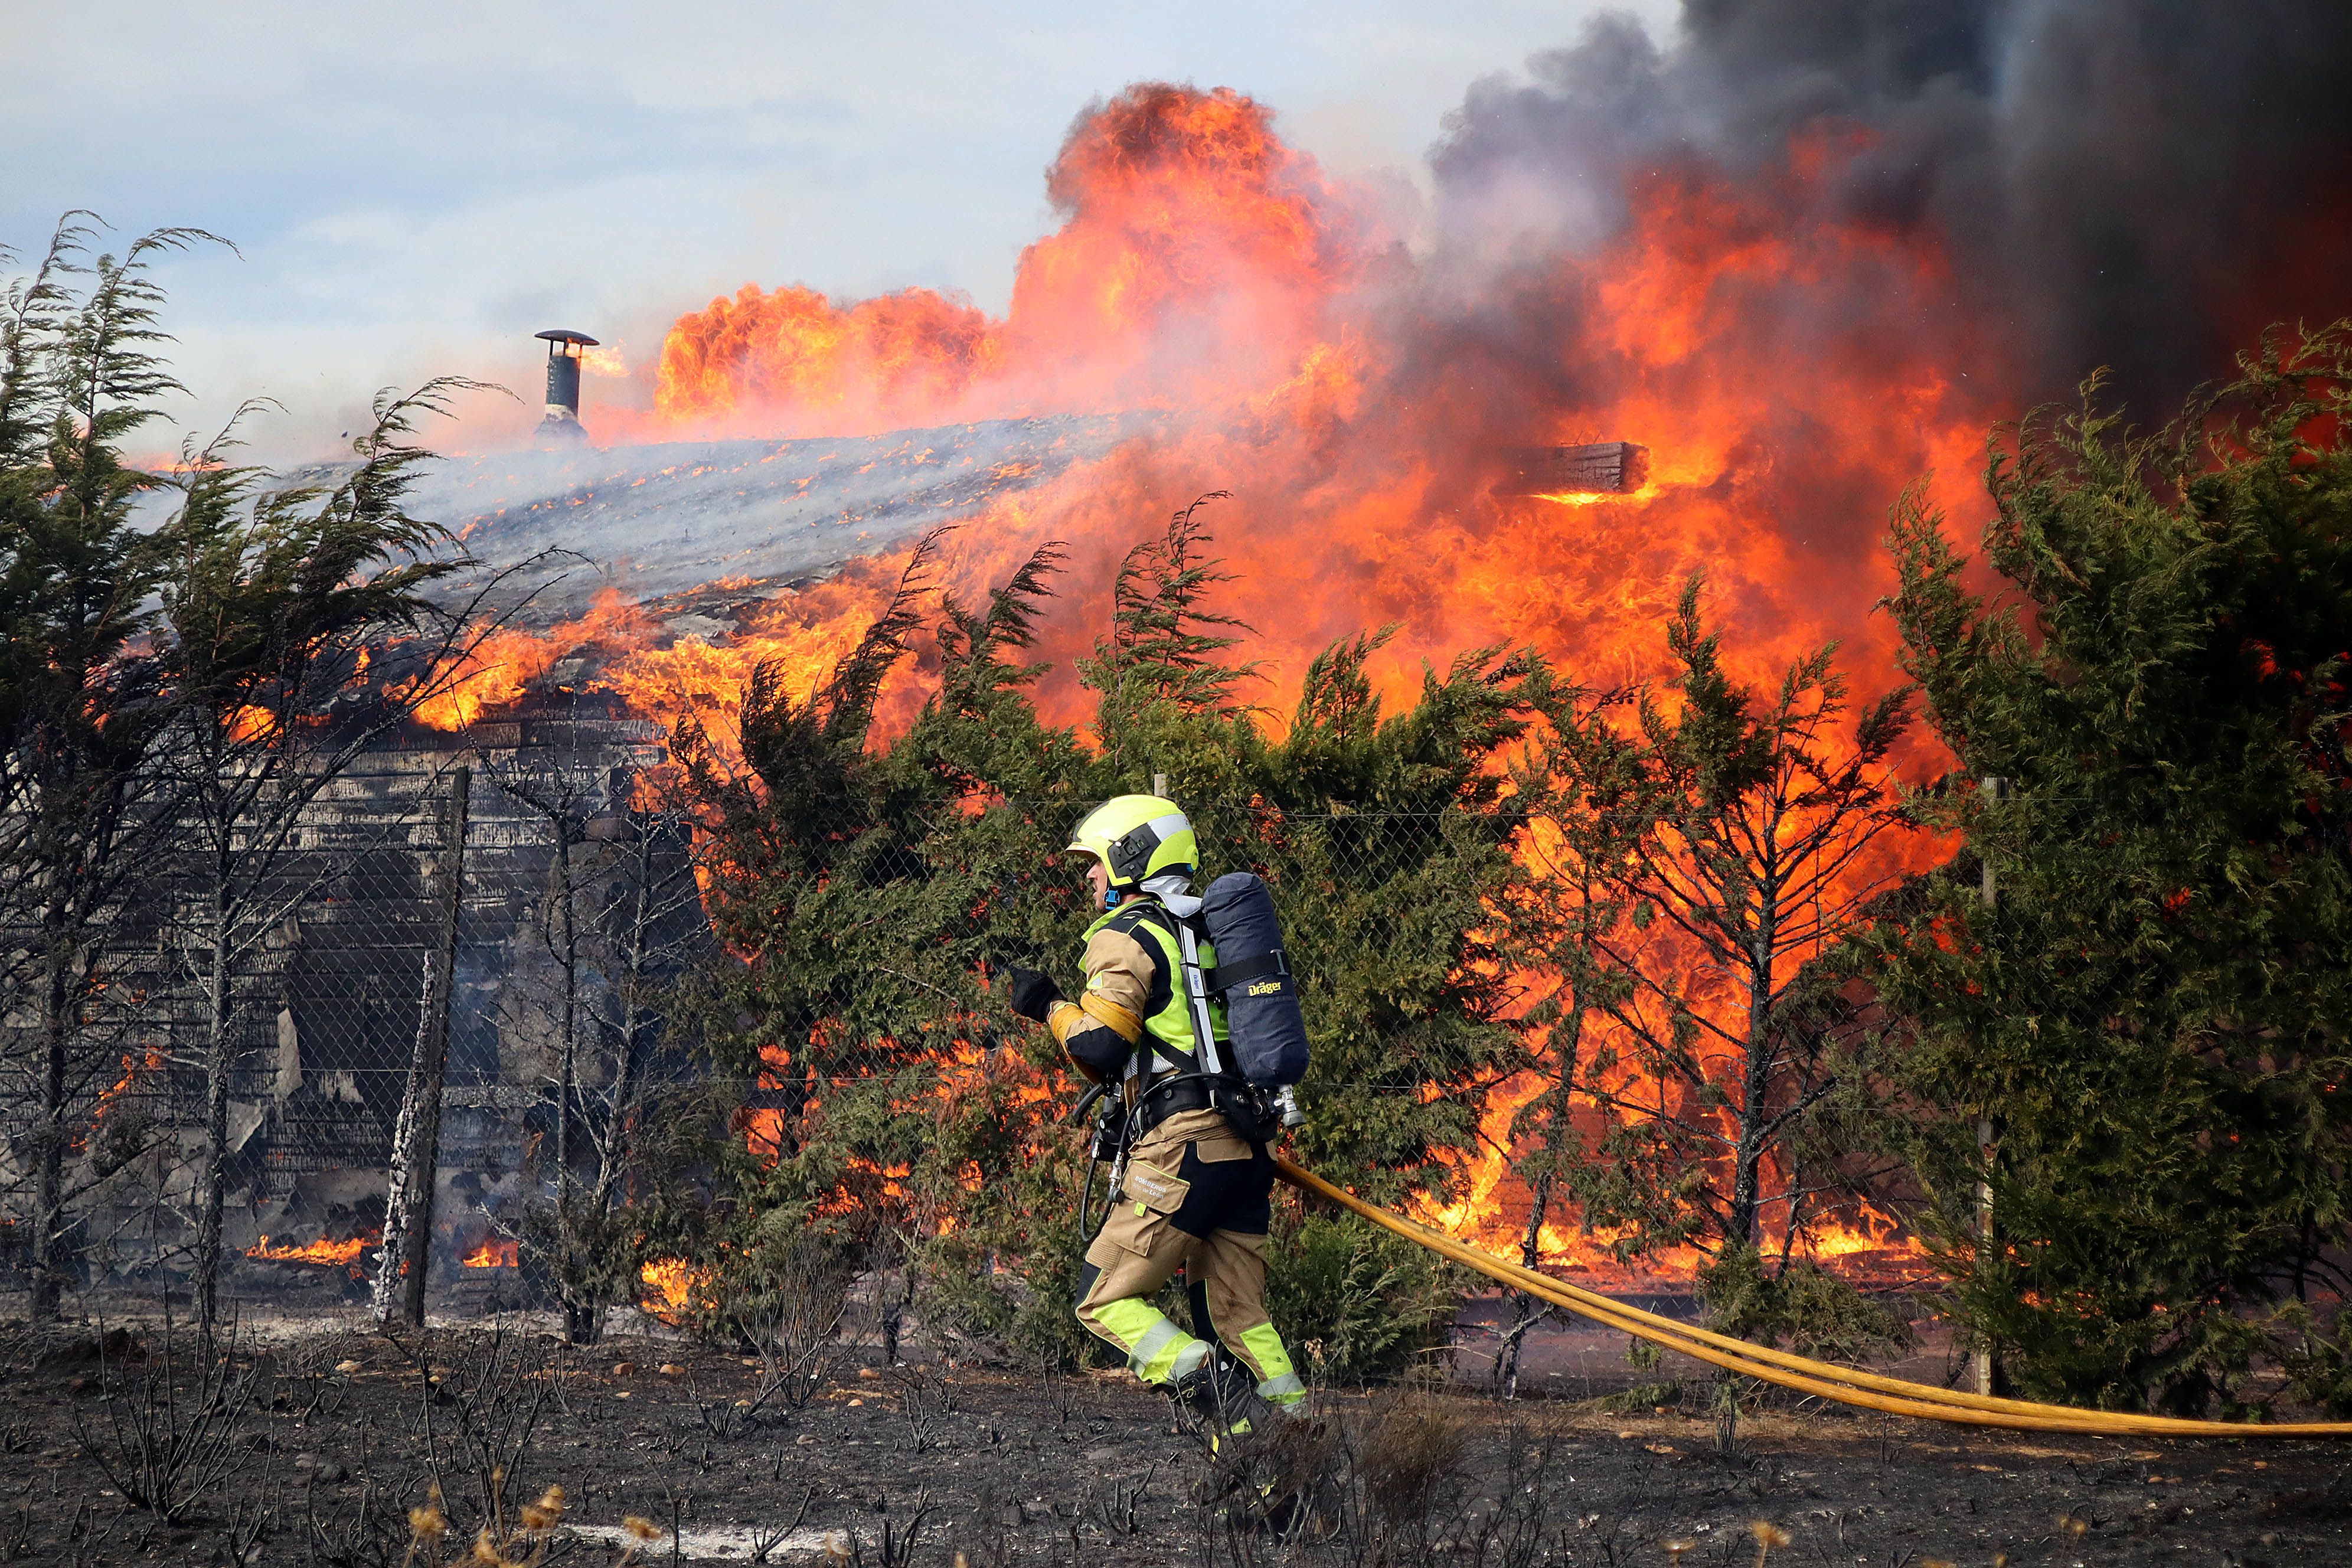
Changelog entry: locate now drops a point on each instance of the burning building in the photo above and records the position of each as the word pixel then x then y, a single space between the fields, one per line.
pixel 335 999
pixel 1803 266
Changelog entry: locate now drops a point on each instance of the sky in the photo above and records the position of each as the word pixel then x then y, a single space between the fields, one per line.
pixel 415 190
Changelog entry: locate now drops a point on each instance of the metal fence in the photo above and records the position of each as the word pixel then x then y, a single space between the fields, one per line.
pixel 565 904
pixel 570 908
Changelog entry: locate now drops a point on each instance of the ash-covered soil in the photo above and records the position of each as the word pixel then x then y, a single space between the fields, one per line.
pixel 325 1436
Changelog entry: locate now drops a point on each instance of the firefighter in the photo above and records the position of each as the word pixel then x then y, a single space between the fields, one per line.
pixel 1195 1193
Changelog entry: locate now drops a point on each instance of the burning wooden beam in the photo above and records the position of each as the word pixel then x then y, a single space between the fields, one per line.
pixel 1596 468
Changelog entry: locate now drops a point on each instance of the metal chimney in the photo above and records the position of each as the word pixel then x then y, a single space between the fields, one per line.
pixel 561 426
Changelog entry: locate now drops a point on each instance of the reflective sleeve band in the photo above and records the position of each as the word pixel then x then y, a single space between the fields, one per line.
pixel 1062 1018
pixel 1112 1016
pixel 1284 1390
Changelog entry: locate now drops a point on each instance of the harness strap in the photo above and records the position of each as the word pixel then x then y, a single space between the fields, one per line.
pixel 1196 993
pixel 1226 976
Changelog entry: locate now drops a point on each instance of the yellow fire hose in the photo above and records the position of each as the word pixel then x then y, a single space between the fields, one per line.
pixel 1847 1385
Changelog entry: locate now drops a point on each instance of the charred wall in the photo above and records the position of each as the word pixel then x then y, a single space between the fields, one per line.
pixel 332 1002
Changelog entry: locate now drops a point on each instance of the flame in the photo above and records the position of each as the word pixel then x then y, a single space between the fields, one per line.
pixel 674 1286
pixel 1784 365
pixel 606 360
pixel 896 360
pixel 335 1253
pixel 251 723
pixel 1356 423
pixel 498 667
pixel 495 1252
pixel 1195 245
pixel 152 1061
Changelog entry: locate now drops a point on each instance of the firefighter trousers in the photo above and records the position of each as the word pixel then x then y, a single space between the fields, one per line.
pixel 1195 1198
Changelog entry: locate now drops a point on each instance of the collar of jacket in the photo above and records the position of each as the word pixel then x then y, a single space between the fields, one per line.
pixel 1127 906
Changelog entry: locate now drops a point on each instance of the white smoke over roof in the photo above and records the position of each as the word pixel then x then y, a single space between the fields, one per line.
pixel 739 518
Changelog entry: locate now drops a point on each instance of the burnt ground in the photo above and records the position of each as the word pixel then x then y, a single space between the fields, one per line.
pixel 337 1431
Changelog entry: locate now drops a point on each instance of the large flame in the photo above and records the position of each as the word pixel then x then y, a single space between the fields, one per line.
pixel 1196 255
pixel 1786 380
pixel 1786 372
pixel 494 1252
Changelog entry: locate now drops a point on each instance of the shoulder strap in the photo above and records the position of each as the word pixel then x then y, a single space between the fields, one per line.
pixel 1150 1053
pixel 1190 983
pixel 1196 997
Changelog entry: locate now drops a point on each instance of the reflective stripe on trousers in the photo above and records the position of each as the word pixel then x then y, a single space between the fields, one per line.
pixel 1157 1350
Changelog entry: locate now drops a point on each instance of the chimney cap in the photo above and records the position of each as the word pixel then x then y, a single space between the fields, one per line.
pixel 566 335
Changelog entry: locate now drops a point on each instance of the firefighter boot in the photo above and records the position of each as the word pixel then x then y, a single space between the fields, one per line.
pixel 1226 1398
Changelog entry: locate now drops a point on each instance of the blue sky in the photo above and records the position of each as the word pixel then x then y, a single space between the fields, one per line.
pixel 417 188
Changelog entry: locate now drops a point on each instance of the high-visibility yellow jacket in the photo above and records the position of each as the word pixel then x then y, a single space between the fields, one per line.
pixel 1135 986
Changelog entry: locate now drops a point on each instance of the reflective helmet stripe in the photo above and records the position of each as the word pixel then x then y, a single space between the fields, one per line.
pixel 1136 837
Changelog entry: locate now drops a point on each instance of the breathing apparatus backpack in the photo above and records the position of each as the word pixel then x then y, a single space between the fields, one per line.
pixel 1265 1031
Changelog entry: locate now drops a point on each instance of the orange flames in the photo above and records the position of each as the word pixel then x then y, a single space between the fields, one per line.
pixel 251 723
pixel 501 666
pixel 801 635
pixel 152 1061
pixel 333 1253
pixel 1195 256
pixel 1786 380
pixel 495 1252
pixel 673 1286
pixel 1786 372
pixel 898 360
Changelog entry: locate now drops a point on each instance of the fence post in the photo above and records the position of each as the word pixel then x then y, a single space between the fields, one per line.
pixel 416 1134
pixel 1981 1369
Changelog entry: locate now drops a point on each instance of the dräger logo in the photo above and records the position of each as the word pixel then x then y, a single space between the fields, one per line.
pixel 1266 988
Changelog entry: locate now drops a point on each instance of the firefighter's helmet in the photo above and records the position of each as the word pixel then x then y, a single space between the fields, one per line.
pixel 1137 838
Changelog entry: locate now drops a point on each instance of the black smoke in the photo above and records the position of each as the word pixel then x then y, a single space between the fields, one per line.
pixel 2137 184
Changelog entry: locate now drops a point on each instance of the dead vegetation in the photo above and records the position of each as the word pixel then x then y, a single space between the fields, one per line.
pixel 360 1450
pixel 173 1420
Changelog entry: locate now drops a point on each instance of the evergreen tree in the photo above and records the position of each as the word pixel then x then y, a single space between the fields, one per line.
pixel 2155 1010
pixel 82 709
pixel 868 894
pixel 274 601
pixel 875 892
pixel 1707 846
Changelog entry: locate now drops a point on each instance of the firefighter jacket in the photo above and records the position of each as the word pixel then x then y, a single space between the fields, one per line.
pixel 1135 987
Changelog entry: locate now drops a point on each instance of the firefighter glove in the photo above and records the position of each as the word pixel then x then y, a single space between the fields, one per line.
pixel 1032 994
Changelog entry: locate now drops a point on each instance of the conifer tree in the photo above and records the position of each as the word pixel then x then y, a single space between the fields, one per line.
pixel 1708 846
pixel 273 602
pixel 83 713
pixel 2155 1010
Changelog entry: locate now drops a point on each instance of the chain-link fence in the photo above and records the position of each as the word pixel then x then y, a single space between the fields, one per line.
pixel 268 1005
pixel 588 963
pixel 850 985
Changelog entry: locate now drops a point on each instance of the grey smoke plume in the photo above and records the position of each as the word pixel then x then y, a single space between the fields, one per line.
pixel 2140 183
